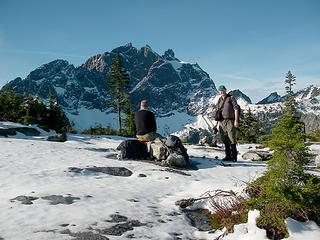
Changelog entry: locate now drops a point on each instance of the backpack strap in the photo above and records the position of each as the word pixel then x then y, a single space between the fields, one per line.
pixel 224 100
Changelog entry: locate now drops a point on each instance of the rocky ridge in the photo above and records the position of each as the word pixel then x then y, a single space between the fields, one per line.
pixel 170 85
pixel 179 93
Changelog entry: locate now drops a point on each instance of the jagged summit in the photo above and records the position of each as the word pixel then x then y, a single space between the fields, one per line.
pixel 171 86
pixel 178 92
pixel 272 98
pixel 169 55
pixel 240 96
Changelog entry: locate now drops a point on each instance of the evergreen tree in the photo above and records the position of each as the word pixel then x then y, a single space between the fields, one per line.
pixel 129 125
pixel 119 84
pixel 250 129
pixel 286 190
pixel 289 99
pixel 57 119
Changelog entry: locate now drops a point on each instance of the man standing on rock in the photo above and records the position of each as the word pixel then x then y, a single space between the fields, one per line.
pixel 228 123
pixel 145 122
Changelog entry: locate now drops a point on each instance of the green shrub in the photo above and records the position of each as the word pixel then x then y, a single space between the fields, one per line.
pixel 27 110
pixel 250 129
pixel 314 136
pixel 286 190
pixel 99 130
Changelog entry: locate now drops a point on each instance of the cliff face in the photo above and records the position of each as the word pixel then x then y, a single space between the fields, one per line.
pixel 168 84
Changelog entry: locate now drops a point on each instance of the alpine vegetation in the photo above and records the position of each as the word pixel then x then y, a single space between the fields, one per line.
pixel 119 83
pixel 286 190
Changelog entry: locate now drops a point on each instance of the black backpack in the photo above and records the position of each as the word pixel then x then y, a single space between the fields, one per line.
pixel 133 149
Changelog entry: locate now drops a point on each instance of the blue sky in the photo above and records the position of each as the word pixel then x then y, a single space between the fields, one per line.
pixel 247 44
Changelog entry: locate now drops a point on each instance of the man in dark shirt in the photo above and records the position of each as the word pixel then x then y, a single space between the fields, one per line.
pixel 229 124
pixel 145 122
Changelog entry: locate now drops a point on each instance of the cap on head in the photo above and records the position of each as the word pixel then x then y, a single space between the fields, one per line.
pixel 222 88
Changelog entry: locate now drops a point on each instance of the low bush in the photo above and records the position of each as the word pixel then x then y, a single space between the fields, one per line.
pixel 28 111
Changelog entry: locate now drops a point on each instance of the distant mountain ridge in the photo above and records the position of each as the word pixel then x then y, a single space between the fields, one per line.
pixel 272 98
pixel 179 93
pixel 307 104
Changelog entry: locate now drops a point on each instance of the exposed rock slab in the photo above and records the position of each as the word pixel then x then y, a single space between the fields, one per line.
pixel 59 199
pixel 114 171
pixel 28 200
pixel 84 235
pixel 119 229
pixel 199 220
pixel 28 131
pixel 256 156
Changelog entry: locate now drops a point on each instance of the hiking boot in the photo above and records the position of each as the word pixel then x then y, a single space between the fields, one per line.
pixel 234 152
pixel 226 159
pixel 228 152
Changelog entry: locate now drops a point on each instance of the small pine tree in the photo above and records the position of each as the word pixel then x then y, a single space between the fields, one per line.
pixel 130 128
pixel 119 84
pixel 286 190
pixel 250 129
pixel 289 99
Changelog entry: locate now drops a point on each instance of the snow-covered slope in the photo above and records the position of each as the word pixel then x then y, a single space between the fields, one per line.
pixel 65 202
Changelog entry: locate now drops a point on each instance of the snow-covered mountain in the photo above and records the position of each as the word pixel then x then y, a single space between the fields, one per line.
pixel 172 87
pixel 182 95
pixel 307 104
pixel 272 98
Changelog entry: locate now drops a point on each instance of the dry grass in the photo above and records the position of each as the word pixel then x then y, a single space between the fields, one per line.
pixel 226 209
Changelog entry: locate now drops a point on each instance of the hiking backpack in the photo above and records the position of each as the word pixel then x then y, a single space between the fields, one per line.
pixel 177 152
pixel 133 149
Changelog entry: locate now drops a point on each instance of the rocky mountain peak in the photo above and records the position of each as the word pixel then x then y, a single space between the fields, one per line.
pixel 240 95
pixel 49 69
pixel 308 93
pixel 169 55
pixel 169 84
pixel 272 98
pixel 125 49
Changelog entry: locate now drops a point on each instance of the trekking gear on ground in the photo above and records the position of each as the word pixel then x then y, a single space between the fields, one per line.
pixel 133 149
pixel 176 150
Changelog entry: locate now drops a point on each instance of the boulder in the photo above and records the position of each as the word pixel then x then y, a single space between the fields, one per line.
pixel 7 132
pixel 157 150
pixel 175 160
pixel 200 136
pixel 28 131
pixel 256 156
pixel 60 137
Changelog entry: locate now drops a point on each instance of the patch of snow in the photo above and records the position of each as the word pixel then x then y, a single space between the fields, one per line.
pixel 60 91
pixel 173 123
pixel 31 166
pixel 176 65
pixel 86 118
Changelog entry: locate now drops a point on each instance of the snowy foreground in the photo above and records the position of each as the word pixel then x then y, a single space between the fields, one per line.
pixel 34 167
